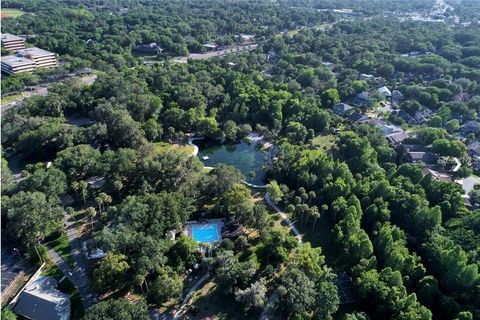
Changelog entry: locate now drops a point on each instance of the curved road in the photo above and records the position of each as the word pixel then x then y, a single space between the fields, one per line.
pixel 284 217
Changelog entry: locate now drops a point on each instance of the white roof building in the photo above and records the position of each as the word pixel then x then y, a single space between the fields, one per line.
pixel 11 42
pixel 16 64
pixel 42 58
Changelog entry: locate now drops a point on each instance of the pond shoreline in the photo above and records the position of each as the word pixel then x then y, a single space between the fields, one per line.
pixel 252 138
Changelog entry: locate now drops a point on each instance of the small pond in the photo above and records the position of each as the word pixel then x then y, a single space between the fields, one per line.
pixel 246 157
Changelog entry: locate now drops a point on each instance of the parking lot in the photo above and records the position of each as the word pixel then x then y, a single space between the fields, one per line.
pixel 11 266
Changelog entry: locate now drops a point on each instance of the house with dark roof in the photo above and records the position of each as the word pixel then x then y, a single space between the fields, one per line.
pixel 473 149
pixel 402 114
pixel 40 300
pixel 151 48
pixel 425 157
pixel 341 109
pixel 361 99
pixel 470 127
pixel 358 118
pixel 419 117
pixel 397 95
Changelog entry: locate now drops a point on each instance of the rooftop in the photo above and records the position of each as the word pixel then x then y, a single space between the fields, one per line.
pixel 34 51
pixel 16 61
pixel 10 37
pixel 41 300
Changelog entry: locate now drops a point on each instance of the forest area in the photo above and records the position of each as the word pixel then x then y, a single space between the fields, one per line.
pixel 407 241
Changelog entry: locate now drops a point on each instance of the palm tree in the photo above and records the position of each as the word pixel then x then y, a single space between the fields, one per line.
pixel 91 212
pixel 83 186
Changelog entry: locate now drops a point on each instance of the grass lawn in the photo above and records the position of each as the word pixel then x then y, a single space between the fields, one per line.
pixel 62 246
pixel 8 99
pixel 324 142
pixel 11 13
pixel 162 147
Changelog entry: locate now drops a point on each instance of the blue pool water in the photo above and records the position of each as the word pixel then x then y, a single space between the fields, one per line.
pixel 205 232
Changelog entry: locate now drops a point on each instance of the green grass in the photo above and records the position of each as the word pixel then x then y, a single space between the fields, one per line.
pixel 162 147
pixel 8 99
pixel 11 13
pixel 324 142
pixel 61 245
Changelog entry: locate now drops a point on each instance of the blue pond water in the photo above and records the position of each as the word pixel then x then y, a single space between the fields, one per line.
pixel 243 156
pixel 205 232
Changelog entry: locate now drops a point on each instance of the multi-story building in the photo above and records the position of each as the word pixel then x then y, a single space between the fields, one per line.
pixel 11 42
pixel 15 64
pixel 42 58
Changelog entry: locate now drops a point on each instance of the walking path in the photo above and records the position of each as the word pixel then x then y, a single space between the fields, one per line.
pixel 74 237
pixel 195 147
pixel 156 315
pixel 78 279
pixel 78 276
pixel 284 217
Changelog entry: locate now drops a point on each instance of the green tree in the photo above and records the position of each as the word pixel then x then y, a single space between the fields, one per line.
pixel 330 97
pixel 32 216
pixel 168 285
pixel 8 314
pixel 111 272
pixel 117 309
pixel 274 191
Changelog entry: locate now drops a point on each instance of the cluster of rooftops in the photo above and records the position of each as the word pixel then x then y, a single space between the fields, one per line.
pixel 25 59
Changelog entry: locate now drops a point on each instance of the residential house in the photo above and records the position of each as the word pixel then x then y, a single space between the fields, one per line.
pixel 396 138
pixel 402 114
pixel 151 48
pixel 419 117
pixel 425 157
pixel 358 117
pixel 397 95
pixel 361 99
pixel 364 76
pixel 474 149
pixel 341 109
pixel 387 127
pixel 439 176
pixel 385 91
pixel 211 46
pixel 471 126
pixel 41 300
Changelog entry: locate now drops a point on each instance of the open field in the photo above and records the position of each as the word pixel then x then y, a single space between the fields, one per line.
pixel 11 13
pixel 162 147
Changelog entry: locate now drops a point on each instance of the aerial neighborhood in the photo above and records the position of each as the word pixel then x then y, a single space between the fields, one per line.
pixel 240 160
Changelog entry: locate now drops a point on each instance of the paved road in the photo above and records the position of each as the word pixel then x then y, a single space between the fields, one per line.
pixel 43 91
pixel 284 217
pixel 11 266
pixel 219 53
pixel 78 278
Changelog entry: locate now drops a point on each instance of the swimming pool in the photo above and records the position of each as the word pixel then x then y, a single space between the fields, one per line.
pixel 206 232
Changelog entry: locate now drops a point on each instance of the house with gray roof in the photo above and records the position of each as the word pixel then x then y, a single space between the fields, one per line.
pixel 470 127
pixel 341 109
pixel 40 300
